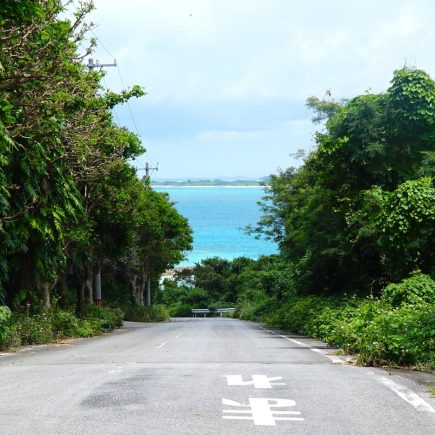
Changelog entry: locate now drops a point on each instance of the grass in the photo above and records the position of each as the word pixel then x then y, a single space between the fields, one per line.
pixel 47 327
pixel 379 333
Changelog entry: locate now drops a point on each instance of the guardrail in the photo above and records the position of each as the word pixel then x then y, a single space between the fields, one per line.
pixel 225 310
pixel 206 311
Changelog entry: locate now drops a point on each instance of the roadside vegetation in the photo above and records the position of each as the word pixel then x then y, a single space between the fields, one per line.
pixel 389 330
pixel 54 325
pixel 355 224
pixel 71 203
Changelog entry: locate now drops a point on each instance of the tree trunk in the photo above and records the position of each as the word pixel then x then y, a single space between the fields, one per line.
pixel 133 282
pixel 148 289
pixel 137 289
pixel 26 281
pixel 63 287
pixel 89 283
pixel 143 284
pixel 80 307
pixel 44 287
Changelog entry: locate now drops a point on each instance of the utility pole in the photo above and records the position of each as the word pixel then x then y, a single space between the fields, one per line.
pixel 148 292
pixel 97 281
pixel 148 170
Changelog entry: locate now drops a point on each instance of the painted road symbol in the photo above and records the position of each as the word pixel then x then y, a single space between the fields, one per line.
pixel 258 381
pixel 263 411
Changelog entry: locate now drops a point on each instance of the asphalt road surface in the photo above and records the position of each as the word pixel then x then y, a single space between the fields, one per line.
pixel 203 376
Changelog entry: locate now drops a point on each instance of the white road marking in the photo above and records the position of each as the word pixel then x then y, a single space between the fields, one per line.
pixel 258 381
pixel 117 370
pixel 178 336
pixel 262 411
pixel 161 345
pixel 333 358
pixel 406 394
pixel 236 411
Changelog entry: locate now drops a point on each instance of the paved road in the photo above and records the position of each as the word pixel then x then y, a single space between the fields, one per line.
pixel 202 376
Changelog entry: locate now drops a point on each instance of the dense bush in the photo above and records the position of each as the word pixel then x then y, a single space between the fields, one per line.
pixel 416 290
pixel 397 329
pixel 300 313
pixel 254 309
pixel 180 310
pixel 342 324
pixel 403 336
pixel 66 324
pixel 5 315
pixel 107 318
pixel 20 329
pixel 37 329
pixel 138 313
pixel 8 334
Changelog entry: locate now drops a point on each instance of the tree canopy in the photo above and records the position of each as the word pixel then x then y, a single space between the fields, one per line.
pixel 70 202
pixel 360 210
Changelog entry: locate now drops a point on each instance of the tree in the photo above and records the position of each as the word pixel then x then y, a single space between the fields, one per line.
pixel 324 211
pixel 69 200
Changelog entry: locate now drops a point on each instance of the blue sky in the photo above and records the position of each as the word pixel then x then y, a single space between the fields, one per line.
pixel 227 80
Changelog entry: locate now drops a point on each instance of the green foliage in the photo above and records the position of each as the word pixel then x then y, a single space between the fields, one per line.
pixel 418 289
pixel 107 318
pixel 344 323
pixel 406 225
pixel 70 201
pixel 394 330
pixel 258 306
pixel 403 336
pixel 37 329
pixel 65 324
pixel 211 275
pixel 18 11
pixel 180 310
pixel 323 110
pixel 300 314
pixel 155 313
pixel 357 211
pixel 218 283
pixel 412 99
pixel 180 298
pixel 20 329
pixel 5 315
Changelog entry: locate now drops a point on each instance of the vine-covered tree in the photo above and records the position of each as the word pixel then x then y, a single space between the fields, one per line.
pixel 70 202
pixel 358 211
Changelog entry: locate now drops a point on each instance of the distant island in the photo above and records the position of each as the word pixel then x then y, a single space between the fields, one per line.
pixel 211 182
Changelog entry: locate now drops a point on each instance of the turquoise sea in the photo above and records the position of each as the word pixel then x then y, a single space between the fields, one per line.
pixel 218 216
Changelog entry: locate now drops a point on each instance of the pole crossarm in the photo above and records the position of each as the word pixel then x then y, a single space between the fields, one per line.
pixel 91 65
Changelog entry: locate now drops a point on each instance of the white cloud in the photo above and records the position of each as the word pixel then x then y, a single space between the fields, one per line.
pixel 251 53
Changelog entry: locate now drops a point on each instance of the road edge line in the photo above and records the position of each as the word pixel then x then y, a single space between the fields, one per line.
pixel 334 359
pixel 406 394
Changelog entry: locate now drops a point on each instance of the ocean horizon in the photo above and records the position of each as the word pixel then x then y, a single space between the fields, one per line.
pixel 218 215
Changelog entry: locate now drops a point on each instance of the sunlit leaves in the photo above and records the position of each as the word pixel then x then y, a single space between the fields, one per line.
pixel 357 204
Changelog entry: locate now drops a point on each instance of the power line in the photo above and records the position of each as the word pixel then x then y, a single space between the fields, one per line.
pixel 121 79
pixel 102 45
pixel 113 108
pixel 115 63
pixel 128 103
